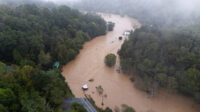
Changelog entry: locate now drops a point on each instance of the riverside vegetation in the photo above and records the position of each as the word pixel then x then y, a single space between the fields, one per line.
pixel 169 60
pixel 110 60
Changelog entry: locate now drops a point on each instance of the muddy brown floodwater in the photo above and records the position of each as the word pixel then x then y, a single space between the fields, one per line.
pixel 89 64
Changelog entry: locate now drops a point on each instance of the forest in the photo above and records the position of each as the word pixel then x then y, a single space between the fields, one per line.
pixel 163 53
pixel 168 60
pixel 40 36
pixel 32 38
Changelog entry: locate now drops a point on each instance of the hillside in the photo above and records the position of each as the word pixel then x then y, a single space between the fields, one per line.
pixel 32 38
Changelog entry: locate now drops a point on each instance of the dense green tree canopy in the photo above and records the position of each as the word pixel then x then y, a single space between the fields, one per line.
pixel 110 60
pixel 170 59
pixel 32 38
pixel 28 89
pixel 37 35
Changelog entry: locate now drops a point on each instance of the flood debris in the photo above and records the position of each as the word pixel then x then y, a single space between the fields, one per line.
pixel 118 70
pixel 99 89
pixel 91 80
pixel 120 38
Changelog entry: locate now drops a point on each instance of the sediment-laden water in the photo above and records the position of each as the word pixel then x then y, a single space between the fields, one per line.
pixel 118 88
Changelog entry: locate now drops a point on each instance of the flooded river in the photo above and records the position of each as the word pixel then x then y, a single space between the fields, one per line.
pixel 118 88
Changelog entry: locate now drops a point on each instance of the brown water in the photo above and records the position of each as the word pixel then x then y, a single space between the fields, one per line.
pixel 89 64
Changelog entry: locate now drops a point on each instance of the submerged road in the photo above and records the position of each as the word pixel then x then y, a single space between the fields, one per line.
pixel 83 101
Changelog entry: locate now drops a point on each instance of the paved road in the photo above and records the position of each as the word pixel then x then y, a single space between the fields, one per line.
pixel 83 101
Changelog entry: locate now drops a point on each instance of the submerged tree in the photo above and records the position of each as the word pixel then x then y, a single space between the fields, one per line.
pixel 110 60
pixel 126 108
pixel 111 26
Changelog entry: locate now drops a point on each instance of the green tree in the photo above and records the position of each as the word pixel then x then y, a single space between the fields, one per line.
pixel 32 102
pixel 107 110
pixel 7 96
pixel 161 78
pixel 2 68
pixel 55 88
pixel 43 58
pixel 3 109
pixel 75 107
pixel 17 56
pixel 191 81
pixel 110 60
pixel 126 108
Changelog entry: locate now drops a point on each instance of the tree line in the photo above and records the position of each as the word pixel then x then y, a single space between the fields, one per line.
pixel 169 59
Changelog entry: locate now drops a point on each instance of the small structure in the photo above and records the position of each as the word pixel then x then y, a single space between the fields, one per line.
pixel 56 64
pixel 127 33
pixel 85 87
pixel 91 80
pixel 120 38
